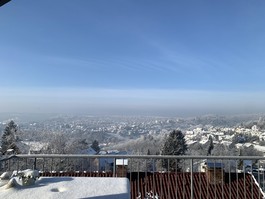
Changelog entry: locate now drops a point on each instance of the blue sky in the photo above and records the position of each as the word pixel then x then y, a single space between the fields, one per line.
pixel 132 57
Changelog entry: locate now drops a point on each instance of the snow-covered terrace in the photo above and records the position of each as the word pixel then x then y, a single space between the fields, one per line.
pixel 70 187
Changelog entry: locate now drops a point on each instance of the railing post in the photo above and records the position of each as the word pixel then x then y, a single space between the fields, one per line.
pixel 9 165
pixel 17 164
pixel 114 168
pixel 191 178
pixel 43 164
pixel 35 163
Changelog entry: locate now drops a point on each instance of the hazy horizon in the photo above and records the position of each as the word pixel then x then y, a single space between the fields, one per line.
pixel 130 102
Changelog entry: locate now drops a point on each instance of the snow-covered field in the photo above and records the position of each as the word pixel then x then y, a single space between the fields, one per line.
pixel 70 187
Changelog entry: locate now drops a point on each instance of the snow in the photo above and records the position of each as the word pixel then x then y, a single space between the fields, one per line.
pixel 203 141
pixel 28 173
pixel 260 148
pixel 121 161
pixel 5 175
pixel 69 187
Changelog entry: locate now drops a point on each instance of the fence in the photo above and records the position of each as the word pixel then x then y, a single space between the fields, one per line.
pixel 152 176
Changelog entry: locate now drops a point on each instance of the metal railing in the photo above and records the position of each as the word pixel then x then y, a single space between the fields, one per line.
pixel 153 176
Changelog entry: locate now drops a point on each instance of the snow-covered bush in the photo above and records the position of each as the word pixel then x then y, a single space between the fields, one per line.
pixel 24 178
pixel 28 176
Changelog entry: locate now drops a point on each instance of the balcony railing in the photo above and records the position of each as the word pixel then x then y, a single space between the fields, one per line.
pixel 152 176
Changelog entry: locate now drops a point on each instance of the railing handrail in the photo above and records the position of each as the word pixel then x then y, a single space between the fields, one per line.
pixel 132 156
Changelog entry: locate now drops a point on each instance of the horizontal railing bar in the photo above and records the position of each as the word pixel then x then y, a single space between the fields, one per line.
pixel 134 156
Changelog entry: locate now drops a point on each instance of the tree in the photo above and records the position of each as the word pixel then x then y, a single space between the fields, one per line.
pixel 210 148
pixel 77 146
pixel 57 145
pixel 175 144
pixel 95 146
pixel 248 151
pixel 148 152
pixel 9 138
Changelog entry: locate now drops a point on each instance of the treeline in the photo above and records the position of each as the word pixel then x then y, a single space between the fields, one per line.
pixel 260 123
pixel 56 143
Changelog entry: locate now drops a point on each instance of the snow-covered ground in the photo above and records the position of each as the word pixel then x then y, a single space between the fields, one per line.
pixel 70 187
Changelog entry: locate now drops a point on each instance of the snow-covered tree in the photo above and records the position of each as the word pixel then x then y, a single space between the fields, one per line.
pixel 57 145
pixel 77 146
pixel 175 144
pixel 9 138
pixel 211 146
pixel 95 146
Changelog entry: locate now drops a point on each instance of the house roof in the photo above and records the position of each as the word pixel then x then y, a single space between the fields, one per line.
pixel 178 185
pixel 216 165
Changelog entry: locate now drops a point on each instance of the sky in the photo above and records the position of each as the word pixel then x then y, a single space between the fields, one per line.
pixel 133 57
